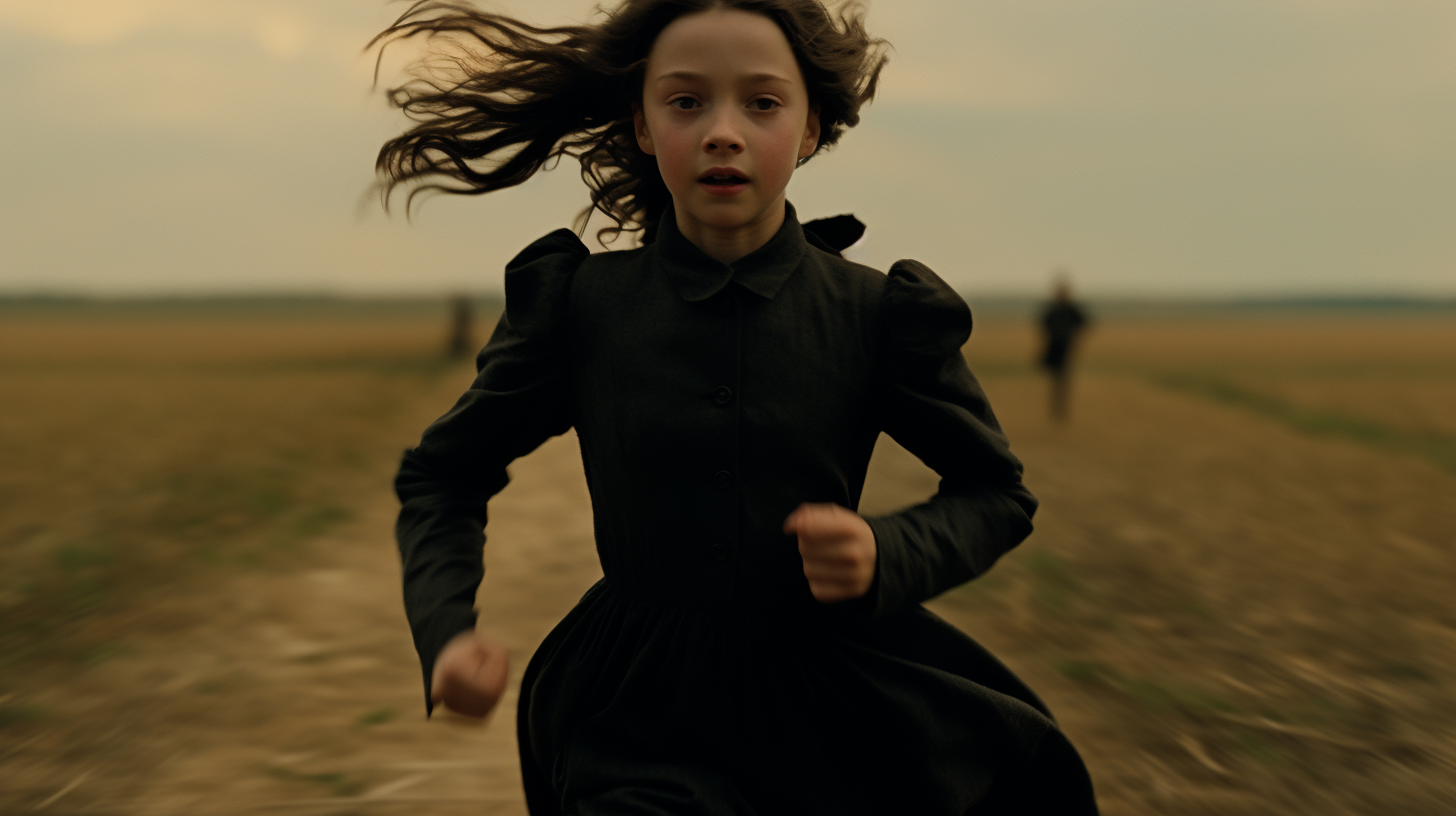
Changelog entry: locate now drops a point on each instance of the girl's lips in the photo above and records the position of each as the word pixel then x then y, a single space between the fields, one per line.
pixel 723 181
pixel 723 189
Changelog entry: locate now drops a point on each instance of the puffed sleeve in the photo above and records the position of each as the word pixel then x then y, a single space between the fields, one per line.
pixel 931 404
pixel 516 402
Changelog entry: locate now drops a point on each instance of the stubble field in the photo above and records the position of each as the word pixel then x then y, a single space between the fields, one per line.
pixel 1237 599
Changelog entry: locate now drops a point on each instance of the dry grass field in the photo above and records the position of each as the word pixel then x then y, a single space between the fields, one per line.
pixel 1237 598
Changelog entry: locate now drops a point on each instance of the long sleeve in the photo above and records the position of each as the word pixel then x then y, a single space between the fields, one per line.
pixel 931 404
pixel 515 403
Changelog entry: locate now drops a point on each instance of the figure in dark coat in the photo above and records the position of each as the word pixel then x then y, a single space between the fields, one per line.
pixel 458 340
pixel 1061 323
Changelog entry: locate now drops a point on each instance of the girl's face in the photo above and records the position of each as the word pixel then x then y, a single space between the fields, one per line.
pixel 725 111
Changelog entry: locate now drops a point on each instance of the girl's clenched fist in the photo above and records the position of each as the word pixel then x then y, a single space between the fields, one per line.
pixel 838 549
pixel 470 674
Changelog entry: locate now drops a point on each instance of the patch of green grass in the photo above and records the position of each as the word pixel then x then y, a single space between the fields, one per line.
pixel 224 683
pixel 79 596
pixel 1194 608
pixel 1257 747
pixel 1084 671
pixel 100 653
pixel 1175 696
pixel 24 638
pixel 203 505
pixel 239 500
pixel 315 657
pixel 338 784
pixel 213 518
pixel 1402 670
pixel 378 716
pixel 1055 585
pixel 268 501
pixel 208 553
pixel 75 583
pixel 226 521
pixel 20 714
pixel 1438 448
pixel 77 557
pixel 1314 711
pixel 1167 695
pixel 249 560
pixel 316 520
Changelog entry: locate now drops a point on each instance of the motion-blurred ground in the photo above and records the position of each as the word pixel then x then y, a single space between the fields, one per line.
pixel 1237 598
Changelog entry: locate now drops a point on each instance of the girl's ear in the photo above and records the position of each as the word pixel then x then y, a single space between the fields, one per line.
pixel 639 124
pixel 810 142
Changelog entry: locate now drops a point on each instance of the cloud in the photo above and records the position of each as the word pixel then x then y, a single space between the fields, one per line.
pixel 284 35
pixel 82 22
pixel 1243 55
pixel 280 27
pixel 249 70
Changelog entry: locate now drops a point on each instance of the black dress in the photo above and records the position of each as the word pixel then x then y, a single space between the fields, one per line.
pixel 699 676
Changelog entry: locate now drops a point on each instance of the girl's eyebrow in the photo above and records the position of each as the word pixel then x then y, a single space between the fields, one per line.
pixel 693 76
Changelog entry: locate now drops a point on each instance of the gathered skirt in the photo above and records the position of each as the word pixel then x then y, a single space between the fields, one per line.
pixel 632 706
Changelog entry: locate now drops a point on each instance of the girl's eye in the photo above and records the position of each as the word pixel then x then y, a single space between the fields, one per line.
pixel 763 103
pixel 682 103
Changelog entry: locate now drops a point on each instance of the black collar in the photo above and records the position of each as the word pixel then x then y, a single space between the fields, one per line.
pixel 695 275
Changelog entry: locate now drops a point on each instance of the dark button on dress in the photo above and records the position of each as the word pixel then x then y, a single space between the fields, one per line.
pixel 700 676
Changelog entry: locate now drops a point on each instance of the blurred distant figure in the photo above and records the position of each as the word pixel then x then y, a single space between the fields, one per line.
pixel 457 345
pixel 1061 321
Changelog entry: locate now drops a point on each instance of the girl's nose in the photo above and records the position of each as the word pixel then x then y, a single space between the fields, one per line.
pixel 723 136
pixel 728 144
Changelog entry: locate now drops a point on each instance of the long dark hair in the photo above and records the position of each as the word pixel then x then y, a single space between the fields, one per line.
pixel 505 99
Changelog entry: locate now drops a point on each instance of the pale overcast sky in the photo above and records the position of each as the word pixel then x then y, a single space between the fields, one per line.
pixel 1150 147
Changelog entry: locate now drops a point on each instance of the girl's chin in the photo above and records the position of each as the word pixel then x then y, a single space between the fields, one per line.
pixel 728 214
pixel 724 222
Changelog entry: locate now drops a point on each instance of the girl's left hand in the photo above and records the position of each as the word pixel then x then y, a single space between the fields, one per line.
pixel 838 548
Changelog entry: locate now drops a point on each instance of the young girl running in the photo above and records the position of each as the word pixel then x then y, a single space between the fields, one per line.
pixel 756 647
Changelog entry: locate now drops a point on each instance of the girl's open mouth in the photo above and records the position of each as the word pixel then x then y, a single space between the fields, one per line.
pixel 723 179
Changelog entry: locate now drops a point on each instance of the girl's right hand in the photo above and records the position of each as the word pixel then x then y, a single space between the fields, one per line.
pixel 470 674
